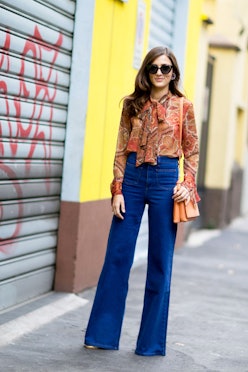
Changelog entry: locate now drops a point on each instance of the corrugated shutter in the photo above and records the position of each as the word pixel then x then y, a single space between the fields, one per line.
pixel 162 23
pixel 36 44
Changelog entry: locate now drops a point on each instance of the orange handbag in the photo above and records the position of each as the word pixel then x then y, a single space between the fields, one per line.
pixel 181 211
pixel 185 213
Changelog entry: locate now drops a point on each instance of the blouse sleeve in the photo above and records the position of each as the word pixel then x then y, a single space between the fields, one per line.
pixel 121 153
pixel 190 148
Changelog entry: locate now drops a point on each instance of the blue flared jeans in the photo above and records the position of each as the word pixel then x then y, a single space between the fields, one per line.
pixel 152 185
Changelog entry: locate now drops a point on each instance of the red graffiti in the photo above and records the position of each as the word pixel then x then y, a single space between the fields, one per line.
pixel 40 102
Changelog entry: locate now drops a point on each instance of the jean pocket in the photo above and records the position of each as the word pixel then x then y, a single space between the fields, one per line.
pixel 167 177
pixel 132 174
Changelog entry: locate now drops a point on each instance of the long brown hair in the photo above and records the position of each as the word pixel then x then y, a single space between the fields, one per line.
pixel 135 101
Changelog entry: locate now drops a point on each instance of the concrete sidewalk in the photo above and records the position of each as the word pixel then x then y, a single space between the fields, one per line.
pixel 208 326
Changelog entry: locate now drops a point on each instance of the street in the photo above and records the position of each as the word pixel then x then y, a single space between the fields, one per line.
pixel 207 331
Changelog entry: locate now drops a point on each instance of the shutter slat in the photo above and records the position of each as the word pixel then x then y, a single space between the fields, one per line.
pixel 67 6
pixel 162 23
pixel 13 65
pixel 23 246
pixel 27 227
pixel 30 188
pixel 32 50
pixel 40 13
pixel 32 110
pixel 30 168
pixel 26 286
pixel 21 265
pixel 38 91
pixel 24 130
pixel 34 149
pixel 29 207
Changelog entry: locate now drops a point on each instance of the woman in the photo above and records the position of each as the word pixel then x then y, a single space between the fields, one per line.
pixel 145 172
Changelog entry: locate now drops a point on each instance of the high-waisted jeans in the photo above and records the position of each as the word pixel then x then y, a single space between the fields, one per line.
pixel 152 185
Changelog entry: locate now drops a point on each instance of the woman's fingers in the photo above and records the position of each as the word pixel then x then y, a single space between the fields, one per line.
pixel 118 206
pixel 181 194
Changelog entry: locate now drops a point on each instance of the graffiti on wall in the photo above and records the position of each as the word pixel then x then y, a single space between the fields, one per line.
pixel 27 100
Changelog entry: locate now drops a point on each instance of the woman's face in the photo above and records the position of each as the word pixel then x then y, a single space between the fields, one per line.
pixel 159 80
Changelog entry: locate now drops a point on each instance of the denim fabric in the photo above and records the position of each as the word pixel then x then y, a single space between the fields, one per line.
pixel 152 185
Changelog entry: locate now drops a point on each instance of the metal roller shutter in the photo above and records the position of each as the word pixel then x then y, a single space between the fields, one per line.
pixel 162 23
pixel 36 45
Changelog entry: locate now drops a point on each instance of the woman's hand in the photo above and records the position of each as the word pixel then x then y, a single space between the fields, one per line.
pixel 118 206
pixel 181 194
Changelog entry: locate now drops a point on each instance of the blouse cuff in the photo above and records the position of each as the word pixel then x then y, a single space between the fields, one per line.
pixel 190 185
pixel 116 187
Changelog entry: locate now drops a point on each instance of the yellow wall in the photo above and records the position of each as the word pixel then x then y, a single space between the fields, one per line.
pixel 192 50
pixel 228 125
pixel 112 77
pixel 222 131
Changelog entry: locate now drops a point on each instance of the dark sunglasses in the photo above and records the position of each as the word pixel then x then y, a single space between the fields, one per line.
pixel 153 69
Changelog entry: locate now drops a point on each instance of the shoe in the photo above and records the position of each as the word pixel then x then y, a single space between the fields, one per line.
pixel 91 347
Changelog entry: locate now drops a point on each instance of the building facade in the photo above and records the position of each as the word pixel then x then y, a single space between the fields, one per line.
pixel 65 66
pixel 222 175
pixel 122 33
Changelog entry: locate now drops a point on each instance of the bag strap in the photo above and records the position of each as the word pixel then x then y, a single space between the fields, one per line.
pixel 180 125
pixel 180 164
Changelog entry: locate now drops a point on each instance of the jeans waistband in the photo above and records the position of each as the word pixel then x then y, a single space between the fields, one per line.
pixel 161 160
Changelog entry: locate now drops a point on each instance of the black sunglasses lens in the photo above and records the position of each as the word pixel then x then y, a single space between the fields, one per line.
pixel 153 69
pixel 165 69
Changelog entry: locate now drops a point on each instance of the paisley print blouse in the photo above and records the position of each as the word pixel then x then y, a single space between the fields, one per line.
pixel 155 131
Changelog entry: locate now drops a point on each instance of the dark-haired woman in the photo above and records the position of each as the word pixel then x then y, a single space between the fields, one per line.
pixel 145 172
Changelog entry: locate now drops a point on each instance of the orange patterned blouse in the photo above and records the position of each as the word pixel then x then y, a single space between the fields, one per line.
pixel 155 131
